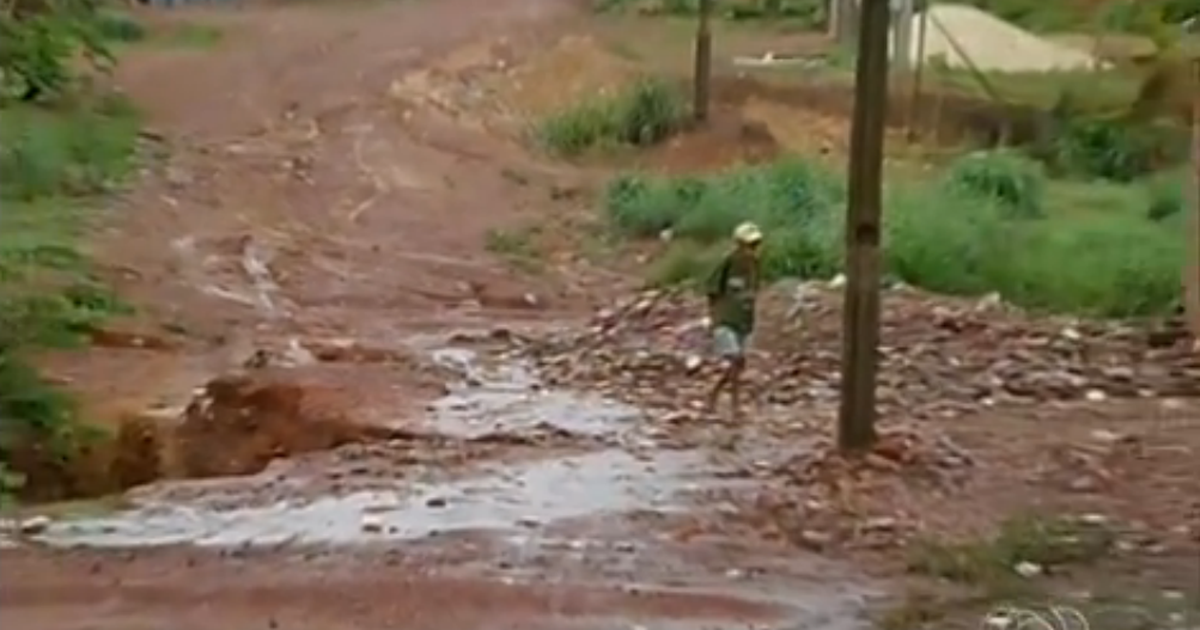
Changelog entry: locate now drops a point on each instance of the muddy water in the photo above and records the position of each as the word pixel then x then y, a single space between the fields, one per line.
pixel 549 521
pixel 509 398
pixel 512 498
pixel 504 497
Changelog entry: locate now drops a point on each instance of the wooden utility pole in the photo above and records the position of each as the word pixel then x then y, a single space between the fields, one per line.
pixel 1191 270
pixel 702 70
pixel 860 325
pixel 915 102
pixel 902 39
pixel 843 21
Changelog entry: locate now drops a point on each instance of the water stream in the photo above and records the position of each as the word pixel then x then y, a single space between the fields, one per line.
pixel 505 497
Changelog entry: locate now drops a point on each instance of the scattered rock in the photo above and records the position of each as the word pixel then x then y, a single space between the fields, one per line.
pixel 34 525
pixel 371 523
pixel 1028 569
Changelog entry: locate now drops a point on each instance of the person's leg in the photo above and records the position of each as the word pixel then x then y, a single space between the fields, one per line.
pixel 737 363
pixel 725 346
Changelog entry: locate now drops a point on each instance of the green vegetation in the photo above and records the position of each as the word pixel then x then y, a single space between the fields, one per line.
pixel 645 113
pixel 806 14
pixel 1005 570
pixel 519 247
pixel 120 28
pixel 60 147
pixel 1019 571
pixel 1013 182
pixel 1116 16
pixel 992 223
pixel 992 563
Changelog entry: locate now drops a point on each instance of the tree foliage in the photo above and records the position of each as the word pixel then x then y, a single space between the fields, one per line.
pixel 45 45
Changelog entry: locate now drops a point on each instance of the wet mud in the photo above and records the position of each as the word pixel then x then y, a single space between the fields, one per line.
pixel 239 425
pixel 591 515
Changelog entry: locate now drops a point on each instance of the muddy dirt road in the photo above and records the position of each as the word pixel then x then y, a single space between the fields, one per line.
pixel 337 410
pixel 309 268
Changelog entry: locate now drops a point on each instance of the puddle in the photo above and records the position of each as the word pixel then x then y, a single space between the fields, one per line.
pixel 506 497
pixel 512 498
pixel 508 398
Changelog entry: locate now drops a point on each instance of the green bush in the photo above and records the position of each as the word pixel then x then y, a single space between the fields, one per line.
pixel 787 193
pixel 947 238
pixel 1015 183
pixel 57 152
pixel 1108 265
pixel 1168 196
pixel 686 263
pixel 1115 149
pixel 942 240
pixel 807 14
pixel 119 27
pixel 1035 15
pixel 51 162
pixel 58 147
pixel 645 113
pixel 39 51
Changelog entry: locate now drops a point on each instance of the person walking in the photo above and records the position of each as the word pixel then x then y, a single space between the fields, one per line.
pixel 732 292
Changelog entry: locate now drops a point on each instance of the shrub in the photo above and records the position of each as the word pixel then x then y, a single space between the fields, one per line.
pixel 1168 198
pixel 50 160
pixel 1116 149
pixel 1113 265
pixel 1015 183
pixel 946 238
pixel 76 152
pixel 39 49
pixel 685 263
pixel 941 240
pixel 645 113
pixel 119 27
pixel 788 193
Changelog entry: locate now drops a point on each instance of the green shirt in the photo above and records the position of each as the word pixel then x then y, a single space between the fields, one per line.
pixel 733 291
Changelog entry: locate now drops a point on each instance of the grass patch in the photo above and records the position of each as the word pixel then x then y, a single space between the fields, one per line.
pixel 1030 567
pixel 54 163
pixel 645 113
pixel 517 246
pixel 1092 90
pixel 800 14
pixel 123 29
pixel 1013 182
pixel 991 223
pixel 190 35
pixel 72 151
pixel 994 563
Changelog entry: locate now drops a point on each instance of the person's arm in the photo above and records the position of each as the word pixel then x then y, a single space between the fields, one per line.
pixel 715 286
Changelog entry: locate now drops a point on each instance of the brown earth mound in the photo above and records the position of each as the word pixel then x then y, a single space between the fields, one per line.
pixel 240 423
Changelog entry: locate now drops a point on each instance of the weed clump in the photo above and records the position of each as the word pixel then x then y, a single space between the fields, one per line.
pixel 986 227
pixel 57 152
pixel 1015 183
pixel 645 113
pixel 1167 198
pixel 992 563
pixel 1117 149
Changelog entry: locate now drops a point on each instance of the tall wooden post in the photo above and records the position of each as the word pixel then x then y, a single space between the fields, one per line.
pixel 860 326
pixel 1191 272
pixel 702 70
pixel 902 51
pixel 913 119
pixel 843 21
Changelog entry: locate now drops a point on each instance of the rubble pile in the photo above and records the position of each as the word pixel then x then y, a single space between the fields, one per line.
pixel 873 500
pixel 941 357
